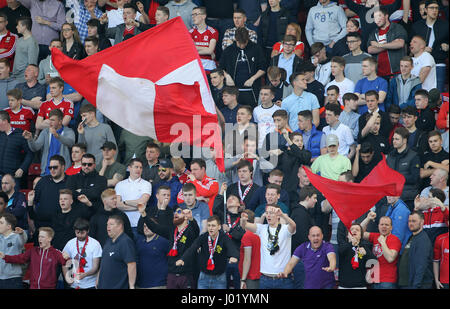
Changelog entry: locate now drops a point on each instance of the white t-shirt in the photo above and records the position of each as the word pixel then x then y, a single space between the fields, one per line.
pixel 425 60
pixel 345 86
pixel 93 250
pixel 274 264
pixel 263 117
pixel 133 190
pixel 345 136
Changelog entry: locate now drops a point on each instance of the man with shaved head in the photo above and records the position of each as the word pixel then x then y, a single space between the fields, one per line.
pixel 319 259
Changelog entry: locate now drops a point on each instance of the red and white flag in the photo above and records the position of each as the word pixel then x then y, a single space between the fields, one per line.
pixel 152 84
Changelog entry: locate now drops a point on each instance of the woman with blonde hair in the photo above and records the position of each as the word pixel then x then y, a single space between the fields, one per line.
pixel 295 30
pixel 71 42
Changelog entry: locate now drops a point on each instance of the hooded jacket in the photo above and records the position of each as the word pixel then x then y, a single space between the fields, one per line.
pixel 406 163
pixel 325 24
pixel 43 266
pixel 402 94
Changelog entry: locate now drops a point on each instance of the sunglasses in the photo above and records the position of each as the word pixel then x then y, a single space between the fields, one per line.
pixel 179 211
pixel 162 169
pixel 87 164
pixel 53 167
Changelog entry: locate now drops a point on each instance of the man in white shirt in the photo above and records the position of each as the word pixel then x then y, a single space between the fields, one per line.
pixel 424 64
pixel 275 246
pixel 133 191
pixel 347 145
pixel 262 114
pixel 85 253
pixel 344 84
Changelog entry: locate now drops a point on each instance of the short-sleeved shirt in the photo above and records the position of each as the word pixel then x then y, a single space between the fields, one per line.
pixel 21 119
pixel 344 134
pixel 274 264
pixel 132 190
pixel 65 106
pixel 345 86
pixel 250 240
pixel 425 60
pixel 441 256
pixel 263 117
pixel 93 250
pixel 114 266
pixel 111 170
pixel 388 271
pixel 314 260
pixel 203 39
pixel 294 104
pixel 364 85
pixel 353 67
pixel 200 212
pixel 329 167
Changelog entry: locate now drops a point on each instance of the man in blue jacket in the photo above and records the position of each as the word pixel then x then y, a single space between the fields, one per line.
pixel 399 213
pixel 415 264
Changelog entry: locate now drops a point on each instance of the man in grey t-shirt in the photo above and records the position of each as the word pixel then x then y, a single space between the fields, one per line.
pixel 353 68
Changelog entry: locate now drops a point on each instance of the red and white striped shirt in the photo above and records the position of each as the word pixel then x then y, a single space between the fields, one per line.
pixel 8 42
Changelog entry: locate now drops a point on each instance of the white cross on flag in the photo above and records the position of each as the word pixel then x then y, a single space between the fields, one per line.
pixel 152 84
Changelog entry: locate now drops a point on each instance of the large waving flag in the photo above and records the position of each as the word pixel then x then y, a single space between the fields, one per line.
pixel 152 85
pixel 351 200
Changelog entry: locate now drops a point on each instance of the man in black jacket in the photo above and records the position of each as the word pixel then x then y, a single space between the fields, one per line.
pixel 244 61
pixel 98 222
pixel 301 215
pixel 88 182
pixel 406 162
pixel 432 26
pixel 43 201
pixel 415 264
pixel 15 155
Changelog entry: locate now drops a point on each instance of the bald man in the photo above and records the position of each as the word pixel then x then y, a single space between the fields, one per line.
pixel 424 64
pixel 319 259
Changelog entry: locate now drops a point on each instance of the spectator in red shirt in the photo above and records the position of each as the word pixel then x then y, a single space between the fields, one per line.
pixel 250 257
pixel 386 247
pixel 440 261
pixel 57 100
pixel 77 152
pixel 21 116
pixel 7 40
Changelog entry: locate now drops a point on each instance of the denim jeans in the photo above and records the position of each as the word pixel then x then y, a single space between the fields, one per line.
pixel 440 78
pixel 212 282
pixel 299 275
pixel 233 271
pixel 276 283
pixel 12 283
pixel 384 286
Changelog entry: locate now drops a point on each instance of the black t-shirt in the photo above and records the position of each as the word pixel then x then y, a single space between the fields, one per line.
pixel 272 35
pixel 242 69
pixel 316 88
pixel 365 169
pixel 219 8
pixel 13 15
pixel 379 143
pixel 434 157
pixel 114 267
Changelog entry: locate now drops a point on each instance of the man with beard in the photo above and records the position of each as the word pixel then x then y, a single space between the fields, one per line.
pixel 181 232
pixel 165 172
pixel 43 201
pixel 215 248
pixel 118 267
pixel 88 182
pixel 99 221
pixel 415 264
pixel 86 251
pixel 275 246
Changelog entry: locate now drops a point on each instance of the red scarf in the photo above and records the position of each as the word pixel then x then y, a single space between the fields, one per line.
pixel 232 225
pixel 212 248
pixel 242 196
pixel 81 255
pixel 174 251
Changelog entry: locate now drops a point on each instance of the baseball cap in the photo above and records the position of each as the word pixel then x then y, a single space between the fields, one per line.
pixel 166 163
pixel 109 145
pixel 332 140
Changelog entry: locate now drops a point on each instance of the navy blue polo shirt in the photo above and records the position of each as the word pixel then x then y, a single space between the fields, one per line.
pixel 115 257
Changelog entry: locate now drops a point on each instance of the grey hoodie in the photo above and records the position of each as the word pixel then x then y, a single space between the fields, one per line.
pixel 6 85
pixel 325 24
pixel 11 245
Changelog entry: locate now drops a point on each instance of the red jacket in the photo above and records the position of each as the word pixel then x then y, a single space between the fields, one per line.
pixel 208 188
pixel 8 42
pixel 43 266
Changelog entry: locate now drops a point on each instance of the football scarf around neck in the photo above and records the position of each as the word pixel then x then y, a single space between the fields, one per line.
pixel 272 244
pixel 212 247
pixel 82 256
pixel 176 238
